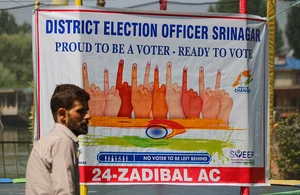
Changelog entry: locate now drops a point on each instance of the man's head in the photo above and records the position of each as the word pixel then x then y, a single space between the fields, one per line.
pixel 69 106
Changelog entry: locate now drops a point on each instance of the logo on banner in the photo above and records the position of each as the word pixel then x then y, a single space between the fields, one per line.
pixel 242 81
pixel 241 156
pixel 79 152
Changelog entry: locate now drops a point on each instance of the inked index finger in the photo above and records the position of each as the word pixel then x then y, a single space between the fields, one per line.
pixel 85 78
pixel 120 74
pixel 169 74
pixel 106 81
pixel 201 81
pixel 184 80
pixel 134 76
pixel 147 72
pixel 218 81
pixel 156 79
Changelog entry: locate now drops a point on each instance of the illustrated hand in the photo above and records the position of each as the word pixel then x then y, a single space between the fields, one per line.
pixel 173 95
pixel 146 84
pixel 141 99
pixel 112 98
pixel 211 108
pixel 124 92
pixel 97 97
pixel 226 101
pixel 159 103
pixel 211 102
pixel 226 104
pixel 190 100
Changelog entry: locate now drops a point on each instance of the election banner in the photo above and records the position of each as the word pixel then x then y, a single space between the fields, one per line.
pixel 176 98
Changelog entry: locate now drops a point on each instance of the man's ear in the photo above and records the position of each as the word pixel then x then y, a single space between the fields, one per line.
pixel 61 116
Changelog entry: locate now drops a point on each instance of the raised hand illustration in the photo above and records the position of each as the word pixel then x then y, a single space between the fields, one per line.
pixel 190 100
pixel 97 97
pixel 173 95
pixel 226 104
pixel 124 92
pixel 216 104
pixel 159 103
pixel 147 85
pixel 211 102
pixel 112 98
pixel 141 99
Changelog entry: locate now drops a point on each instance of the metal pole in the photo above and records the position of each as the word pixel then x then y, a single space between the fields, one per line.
pixel 3 160
pixel 60 2
pixel 101 3
pixel 36 4
pixel 243 10
pixel 17 160
pixel 271 11
pixel 78 2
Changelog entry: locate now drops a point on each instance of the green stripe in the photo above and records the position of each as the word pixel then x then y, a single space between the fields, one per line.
pixel 19 180
pixel 297 192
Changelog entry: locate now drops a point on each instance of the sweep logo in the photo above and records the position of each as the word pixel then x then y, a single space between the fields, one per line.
pixel 242 81
pixel 241 156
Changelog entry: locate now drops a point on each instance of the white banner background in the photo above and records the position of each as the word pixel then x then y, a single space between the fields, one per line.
pixel 55 65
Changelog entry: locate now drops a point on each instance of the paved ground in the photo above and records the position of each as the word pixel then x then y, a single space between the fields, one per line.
pixel 17 189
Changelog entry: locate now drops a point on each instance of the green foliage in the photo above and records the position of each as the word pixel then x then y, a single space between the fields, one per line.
pixel 293 30
pixel 255 7
pixel 16 60
pixel 225 7
pixel 287 136
pixel 6 76
pixel 15 53
pixel 8 25
pixel 211 9
pixel 279 43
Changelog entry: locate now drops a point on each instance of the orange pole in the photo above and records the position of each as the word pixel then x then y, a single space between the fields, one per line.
pixel 243 6
pixel 163 4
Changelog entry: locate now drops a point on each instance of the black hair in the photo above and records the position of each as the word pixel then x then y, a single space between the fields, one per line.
pixel 65 95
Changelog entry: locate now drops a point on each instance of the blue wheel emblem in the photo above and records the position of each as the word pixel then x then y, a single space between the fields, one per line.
pixel 156 132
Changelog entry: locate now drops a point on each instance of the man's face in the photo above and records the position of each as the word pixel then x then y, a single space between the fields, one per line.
pixel 78 118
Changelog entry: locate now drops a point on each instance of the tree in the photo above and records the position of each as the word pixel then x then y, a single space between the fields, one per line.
pixel 255 7
pixel 17 58
pixel 8 24
pixel 287 137
pixel 6 76
pixel 293 30
pixel 279 43
pixel 15 53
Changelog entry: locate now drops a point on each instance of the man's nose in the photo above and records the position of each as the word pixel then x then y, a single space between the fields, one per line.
pixel 87 116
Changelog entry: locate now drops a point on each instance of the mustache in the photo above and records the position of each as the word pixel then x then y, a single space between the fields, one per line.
pixel 84 123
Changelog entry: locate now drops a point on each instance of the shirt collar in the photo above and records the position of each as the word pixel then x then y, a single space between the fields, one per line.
pixel 66 131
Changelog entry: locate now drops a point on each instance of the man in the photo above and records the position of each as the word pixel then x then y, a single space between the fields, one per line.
pixel 52 167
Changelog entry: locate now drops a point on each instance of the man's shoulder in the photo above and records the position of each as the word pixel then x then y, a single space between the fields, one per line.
pixel 51 142
pixel 55 136
pixel 52 137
